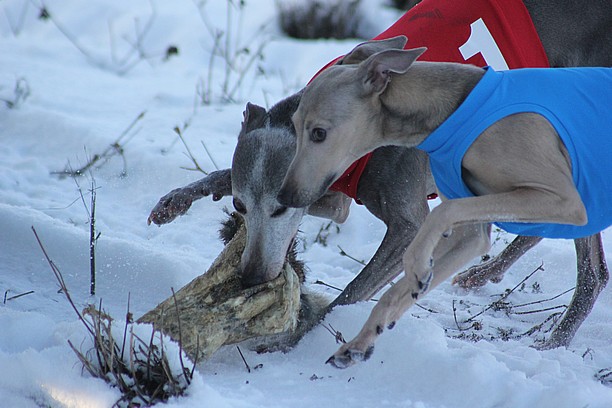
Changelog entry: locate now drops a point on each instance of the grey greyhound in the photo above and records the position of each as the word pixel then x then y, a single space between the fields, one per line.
pixel 255 180
pixel 526 162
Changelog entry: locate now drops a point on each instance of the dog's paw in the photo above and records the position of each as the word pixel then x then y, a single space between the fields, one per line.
pixel 170 206
pixel 478 276
pixel 349 357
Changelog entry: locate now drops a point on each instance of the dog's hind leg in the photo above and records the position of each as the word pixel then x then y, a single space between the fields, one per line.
pixel 177 202
pixel 592 278
pixel 494 269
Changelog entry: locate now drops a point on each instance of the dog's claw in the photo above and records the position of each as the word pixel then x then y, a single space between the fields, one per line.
pixel 350 357
pixel 341 361
pixel 425 283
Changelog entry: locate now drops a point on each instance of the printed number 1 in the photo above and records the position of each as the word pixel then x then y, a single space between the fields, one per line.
pixel 481 41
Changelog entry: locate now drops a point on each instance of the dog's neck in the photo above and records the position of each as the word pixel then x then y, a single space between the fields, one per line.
pixel 417 102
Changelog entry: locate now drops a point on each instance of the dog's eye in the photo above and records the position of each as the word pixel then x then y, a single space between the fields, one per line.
pixel 318 135
pixel 279 211
pixel 239 206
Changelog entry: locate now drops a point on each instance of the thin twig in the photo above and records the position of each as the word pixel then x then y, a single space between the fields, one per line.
pixel 189 154
pixel 505 295
pixel 63 287
pixel 242 74
pixel 546 309
pixel 320 282
pixel 180 336
pixel 425 308
pixel 149 353
pixel 455 318
pixel 343 253
pixel 244 359
pixel 195 360
pixel 210 155
pixel 538 327
pixel 337 335
pixel 128 320
pixel 115 148
pixel 92 240
pixel 16 296
pixel 544 300
pixel 227 44
pixel 132 58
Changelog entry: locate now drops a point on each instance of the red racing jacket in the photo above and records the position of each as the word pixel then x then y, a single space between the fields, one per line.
pixel 496 33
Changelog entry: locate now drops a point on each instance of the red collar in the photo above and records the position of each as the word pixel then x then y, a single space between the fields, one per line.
pixel 349 181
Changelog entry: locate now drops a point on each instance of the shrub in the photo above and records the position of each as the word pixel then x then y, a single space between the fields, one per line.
pixel 320 18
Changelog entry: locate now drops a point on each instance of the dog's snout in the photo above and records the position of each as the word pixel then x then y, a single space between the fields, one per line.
pixel 248 280
pixel 255 269
pixel 253 275
pixel 296 198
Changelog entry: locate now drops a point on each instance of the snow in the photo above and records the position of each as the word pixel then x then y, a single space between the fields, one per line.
pixel 80 104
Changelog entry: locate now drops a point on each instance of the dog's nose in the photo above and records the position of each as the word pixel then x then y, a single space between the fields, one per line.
pixel 248 280
pixel 251 280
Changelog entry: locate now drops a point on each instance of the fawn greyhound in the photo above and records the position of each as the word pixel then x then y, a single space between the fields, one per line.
pixel 514 148
pixel 401 204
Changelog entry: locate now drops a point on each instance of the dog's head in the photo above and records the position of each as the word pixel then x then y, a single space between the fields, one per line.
pixel 261 158
pixel 339 118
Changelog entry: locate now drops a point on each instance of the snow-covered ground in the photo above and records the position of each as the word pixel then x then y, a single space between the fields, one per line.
pixel 79 103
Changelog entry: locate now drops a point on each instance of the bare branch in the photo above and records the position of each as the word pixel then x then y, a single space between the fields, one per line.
pixel 60 280
pixel 506 294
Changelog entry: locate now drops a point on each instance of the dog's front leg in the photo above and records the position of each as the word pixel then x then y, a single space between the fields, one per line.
pixel 177 202
pixel 441 246
pixel 466 242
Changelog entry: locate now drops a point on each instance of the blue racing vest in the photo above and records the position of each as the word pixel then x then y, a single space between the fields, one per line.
pixel 578 104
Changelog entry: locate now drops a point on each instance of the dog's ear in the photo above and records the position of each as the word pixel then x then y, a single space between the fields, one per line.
pixel 376 70
pixel 364 50
pixel 254 117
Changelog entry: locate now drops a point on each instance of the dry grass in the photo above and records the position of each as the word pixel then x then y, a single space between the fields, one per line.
pixel 139 367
